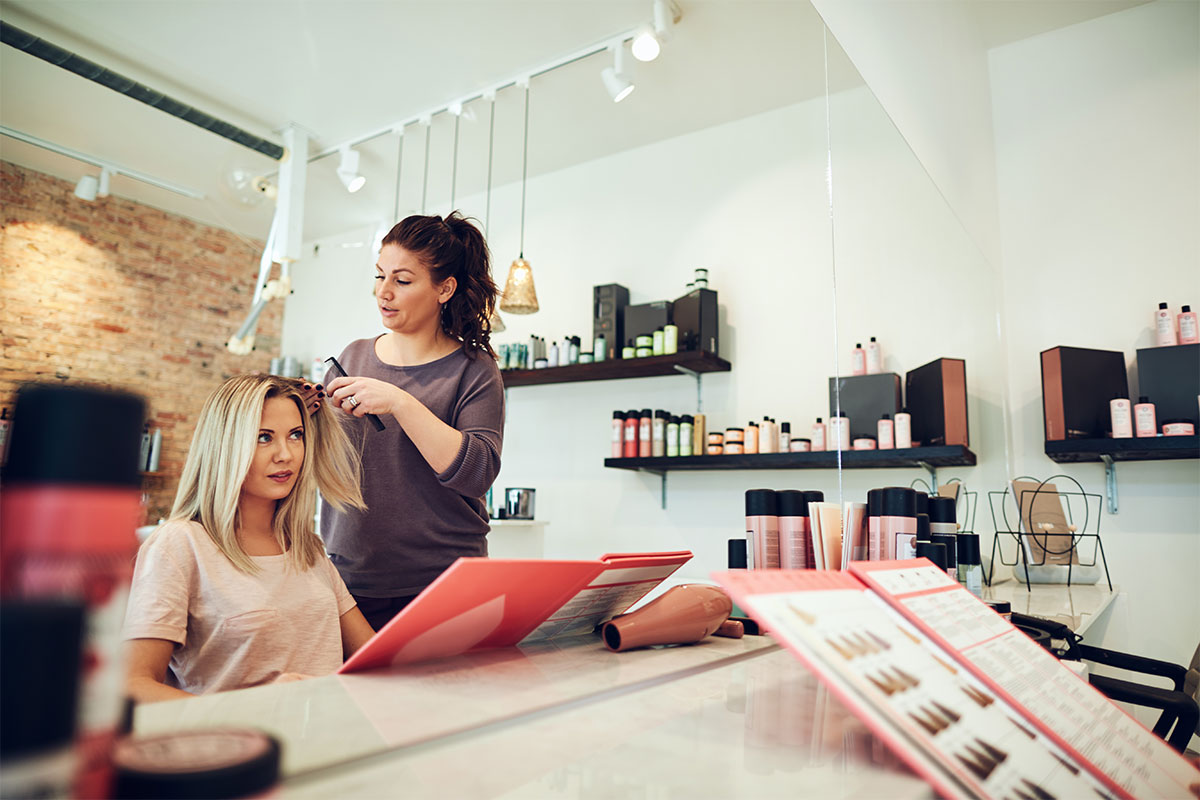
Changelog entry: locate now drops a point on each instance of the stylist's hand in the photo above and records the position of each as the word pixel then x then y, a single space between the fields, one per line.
pixel 313 395
pixel 372 396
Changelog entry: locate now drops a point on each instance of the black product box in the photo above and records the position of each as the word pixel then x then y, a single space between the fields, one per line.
pixel 696 317
pixel 865 399
pixel 1170 378
pixel 645 319
pixel 1077 385
pixel 608 316
pixel 936 398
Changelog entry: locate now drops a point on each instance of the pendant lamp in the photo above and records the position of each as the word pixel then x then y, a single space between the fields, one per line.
pixel 519 295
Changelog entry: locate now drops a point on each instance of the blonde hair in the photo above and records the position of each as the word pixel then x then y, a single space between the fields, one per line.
pixel 219 461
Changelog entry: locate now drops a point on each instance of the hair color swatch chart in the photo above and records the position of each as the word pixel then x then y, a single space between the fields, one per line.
pixel 955 731
pixel 1071 710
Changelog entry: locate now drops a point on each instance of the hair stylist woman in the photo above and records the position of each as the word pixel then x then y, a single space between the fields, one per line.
pixel 432 378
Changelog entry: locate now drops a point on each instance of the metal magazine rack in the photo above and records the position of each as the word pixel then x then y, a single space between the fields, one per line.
pixel 966 502
pixel 1046 533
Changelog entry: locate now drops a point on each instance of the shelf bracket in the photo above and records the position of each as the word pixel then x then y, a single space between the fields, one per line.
pixel 932 470
pixel 699 410
pixel 1110 482
pixel 662 474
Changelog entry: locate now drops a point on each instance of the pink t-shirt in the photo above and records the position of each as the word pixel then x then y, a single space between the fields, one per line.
pixel 233 629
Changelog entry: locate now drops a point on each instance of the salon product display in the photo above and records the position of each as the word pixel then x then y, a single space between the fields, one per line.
pixel 936 702
pixel 480 603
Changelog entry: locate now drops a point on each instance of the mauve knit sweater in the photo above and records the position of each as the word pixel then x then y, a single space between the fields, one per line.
pixel 418 521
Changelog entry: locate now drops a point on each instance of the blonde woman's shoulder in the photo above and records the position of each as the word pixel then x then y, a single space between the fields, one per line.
pixel 177 534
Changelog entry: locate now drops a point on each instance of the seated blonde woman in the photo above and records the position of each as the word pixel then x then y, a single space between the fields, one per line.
pixel 235 589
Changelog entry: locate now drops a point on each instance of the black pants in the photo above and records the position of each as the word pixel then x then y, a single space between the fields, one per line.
pixel 378 610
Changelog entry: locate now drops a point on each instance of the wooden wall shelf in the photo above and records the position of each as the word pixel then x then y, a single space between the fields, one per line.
pixel 923 457
pixel 690 362
pixel 1159 448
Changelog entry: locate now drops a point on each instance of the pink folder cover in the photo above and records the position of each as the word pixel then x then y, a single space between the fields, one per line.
pixel 479 603
pixel 1130 760
pixel 902 683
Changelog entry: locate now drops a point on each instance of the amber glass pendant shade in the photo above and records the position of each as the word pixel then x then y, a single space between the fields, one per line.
pixel 519 295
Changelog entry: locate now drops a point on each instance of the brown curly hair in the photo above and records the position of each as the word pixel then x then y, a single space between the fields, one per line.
pixel 451 246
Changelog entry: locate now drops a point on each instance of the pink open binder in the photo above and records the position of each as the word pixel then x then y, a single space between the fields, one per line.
pixel 886 638
pixel 479 603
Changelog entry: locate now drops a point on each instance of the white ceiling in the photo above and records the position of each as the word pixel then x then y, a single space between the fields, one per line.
pixel 342 69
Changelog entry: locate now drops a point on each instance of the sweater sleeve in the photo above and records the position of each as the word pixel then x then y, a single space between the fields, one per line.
pixel 480 418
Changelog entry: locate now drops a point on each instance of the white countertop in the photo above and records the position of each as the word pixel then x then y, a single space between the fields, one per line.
pixel 1076 606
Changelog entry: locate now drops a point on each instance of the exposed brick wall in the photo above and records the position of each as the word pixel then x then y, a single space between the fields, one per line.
pixel 117 293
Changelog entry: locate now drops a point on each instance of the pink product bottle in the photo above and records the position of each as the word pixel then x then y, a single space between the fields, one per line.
pixel 858 361
pixel 632 424
pixel 885 433
pixel 795 536
pixel 897 524
pixel 762 528
pixel 69 506
pixel 1144 420
pixel 873 511
pixel 874 357
pixel 645 426
pixel 1164 327
pixel 903 429
pixel 618 434
pixel 1122 418
pixel 1189 331
pixel 839 432
pixel 818 436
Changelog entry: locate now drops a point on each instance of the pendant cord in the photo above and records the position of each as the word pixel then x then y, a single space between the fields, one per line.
pixel 524 169
pixel 454 168
pixel 425 181
pixel 399 166
pixel 487 214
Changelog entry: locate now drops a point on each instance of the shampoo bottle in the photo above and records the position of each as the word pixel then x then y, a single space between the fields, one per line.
pixel 874 357
pixel 858 361
pixel 818 435
pixel 1144 419
pixel 1164 327
pixel 1189 332
pixel 1122 418
pixel 903 429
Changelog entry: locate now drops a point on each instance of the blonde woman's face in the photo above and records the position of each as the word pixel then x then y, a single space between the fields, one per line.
pixel 278 452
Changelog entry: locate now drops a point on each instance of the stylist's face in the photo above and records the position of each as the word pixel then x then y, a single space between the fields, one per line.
pixel 408 300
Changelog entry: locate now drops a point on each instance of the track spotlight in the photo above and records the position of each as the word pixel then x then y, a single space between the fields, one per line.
pixel 347 171
pixel 645 45
pixel 87 187
pixel 102 189
pixel 616 79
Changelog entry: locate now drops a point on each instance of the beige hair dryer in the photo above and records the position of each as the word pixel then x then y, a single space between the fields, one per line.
pixel 682 615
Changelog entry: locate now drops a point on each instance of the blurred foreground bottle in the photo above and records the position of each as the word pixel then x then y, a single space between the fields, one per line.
pixel 69 506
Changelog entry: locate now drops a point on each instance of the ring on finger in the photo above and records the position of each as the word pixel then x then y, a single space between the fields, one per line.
pixel 353 401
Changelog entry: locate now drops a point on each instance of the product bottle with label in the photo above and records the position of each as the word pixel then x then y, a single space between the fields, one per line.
pixel 839 432
pixel 686 433
pixel 874 357
pixel 762 527
pixel 785 437
pixel 658 434
pixel 903 429
pixel 858 361
pixel 1189 332
pixel 632 421
pixel 768 436
pixel 885 433
pixel 1122 418
pixel 645 427
pixel 1144 418
pixel 672 436
pixel 751 437
pixel 818 436
pixel 599 347
pixel 970 571
pixel 618 433
pixel 1164 327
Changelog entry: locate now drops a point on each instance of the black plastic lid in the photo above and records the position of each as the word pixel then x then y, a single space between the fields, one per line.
pixel 737 554
pixel 739 430
pixel 814 497
pixel 672 420
pixel 950 540
pixel 858 345
pixel 688 418
pixel 874 502
pixel 934 551
pixel 1186 309
pixel 43 645
pixel 646 412
pixel 801 439
pixel 886 416
pixel 1000 606
pixel 785 426
pixel 941 509
pixel 219 763
pixel 792 503
pixel 922 502
pixel 896 501
pixel 1162 305
pixel 761 503
pixel 968 548
pixel 923 534
pixel 618 415
pixel 841 413
pixel 872 338
pixel 751 424
pixel 71 434
pixel 818 419
pixel 660 413
pixel 632 413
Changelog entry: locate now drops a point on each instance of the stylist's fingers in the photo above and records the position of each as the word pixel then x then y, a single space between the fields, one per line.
pixel 311 394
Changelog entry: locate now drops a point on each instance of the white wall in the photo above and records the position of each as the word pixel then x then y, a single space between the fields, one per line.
pixel 1098 153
